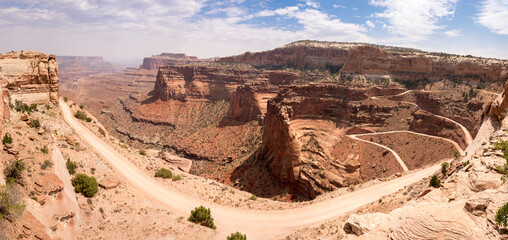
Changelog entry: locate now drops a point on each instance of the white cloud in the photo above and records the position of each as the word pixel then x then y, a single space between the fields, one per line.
pixel 338 6
pixel 311 3
pixel 370 24
pixel 453 33
pixel 494 15
pixel 415 20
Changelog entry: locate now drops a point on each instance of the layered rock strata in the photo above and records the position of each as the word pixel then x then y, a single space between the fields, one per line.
pixel 30 76
pixel 376 61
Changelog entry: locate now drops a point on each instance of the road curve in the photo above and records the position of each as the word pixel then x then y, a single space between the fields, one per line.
pixel 256 224
pixel 395 154
pixel 455 144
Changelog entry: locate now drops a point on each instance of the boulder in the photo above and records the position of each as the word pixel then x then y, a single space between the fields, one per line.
pixel 361 224
pixel 70 140
pixel 109 183
pixel 102 131
pixel 41 131
pixel 24 118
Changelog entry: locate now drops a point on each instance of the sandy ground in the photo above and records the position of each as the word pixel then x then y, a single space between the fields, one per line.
pixel 255 223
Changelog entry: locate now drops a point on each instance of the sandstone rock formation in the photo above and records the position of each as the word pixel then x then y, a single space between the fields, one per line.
pixel 171 59
pixel 376 61
pixel 30 76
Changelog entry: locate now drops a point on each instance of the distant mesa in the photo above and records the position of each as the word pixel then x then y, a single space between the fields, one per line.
pixel 75 67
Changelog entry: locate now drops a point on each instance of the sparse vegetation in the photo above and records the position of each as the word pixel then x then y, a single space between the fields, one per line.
pixel 11 202
pixel 503 146
pixel 456 154
pixel 164 173
pixel 13 171
pixel 444 168
pixel 142 152
pixel 81 106
pixel 35 123
pixel 22 107
pixel 434 182
pixel 71 166
pixel 465 163
pixel 85 185
pixel 237 236
pixel 66 99
pixel 45 149
pixel 502 216
pixel 202 216
pixel 7 139
pixel 253 198
pixel 46 164
pixel 177 178
pixel 82 116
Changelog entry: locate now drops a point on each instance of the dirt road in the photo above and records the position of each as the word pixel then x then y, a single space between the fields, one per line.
pixel 255 223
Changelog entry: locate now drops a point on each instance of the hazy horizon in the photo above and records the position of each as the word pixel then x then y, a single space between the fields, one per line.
pixel 127 31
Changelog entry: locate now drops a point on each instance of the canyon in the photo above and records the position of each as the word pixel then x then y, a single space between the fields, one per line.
pixel 320 121
pixel 245 116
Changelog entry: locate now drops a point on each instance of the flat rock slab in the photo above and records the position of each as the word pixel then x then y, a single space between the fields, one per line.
pixel 109 183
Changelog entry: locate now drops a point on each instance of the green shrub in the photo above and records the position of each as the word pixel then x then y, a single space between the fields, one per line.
pixel 66 99
pixel 444 168
pixel 456 154
pixel 11 202
pixel 503 146
pixel 22 107
pixel 45 149
pixel 48 106
pixel 465 163
pixel 81 106
pixel 142 152
pixel 177 178
pixel 202 216
pixel 253 198
pixel 71 166
pixel 7 138
pixel 80 115
pixel 163 173
pixel 35 123
pixel 502 216
pixel 33 106
pixel 88 119
pixel 46 164
pixel 434 182
pixel 85 185
pixel 13 171
pixel 237 236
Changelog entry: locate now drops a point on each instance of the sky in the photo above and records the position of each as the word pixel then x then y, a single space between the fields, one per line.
pixel 125 31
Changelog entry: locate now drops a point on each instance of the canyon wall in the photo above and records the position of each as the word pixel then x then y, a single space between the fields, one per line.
pixel 376 61
pixel 170 59
pixel 30 76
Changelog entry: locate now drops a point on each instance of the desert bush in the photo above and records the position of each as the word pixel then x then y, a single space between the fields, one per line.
pixel 22 107
pixel 7 138
pixel 444 168
pixel 33 107
pixel 85 185
pixel 45 149
pixel 66 99
pixel 46 164
pixel 48 106
pixel 503 146
pixel 177 178
pixel 71 166
pixel 202 216
pixel 142 152
pixel 502 216
pixel 13 171
pixel 434 181
pixel 253 198
pixel 80 115
pixel 237 236
pixel 164 173
pixel 81 106
pixel 35 123
pixel 11 202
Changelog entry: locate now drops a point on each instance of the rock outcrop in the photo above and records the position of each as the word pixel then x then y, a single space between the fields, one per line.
pixel 171 59
pixel 30 76
pixel 376 61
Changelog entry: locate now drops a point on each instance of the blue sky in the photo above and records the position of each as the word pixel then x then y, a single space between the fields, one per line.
pixel 127 30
